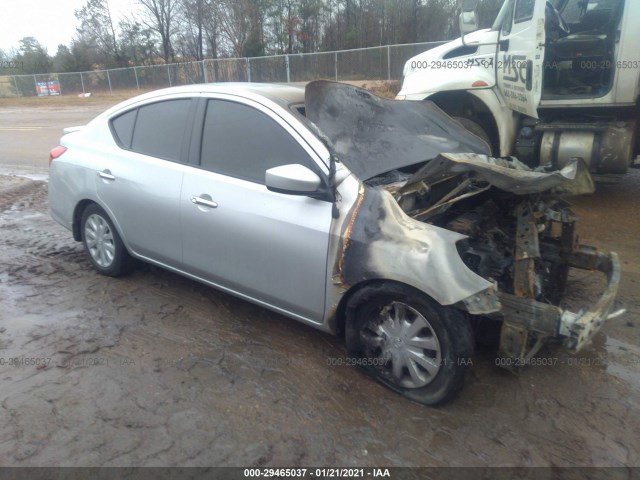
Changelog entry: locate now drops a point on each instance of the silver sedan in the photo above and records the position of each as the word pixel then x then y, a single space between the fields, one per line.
pixel 379 220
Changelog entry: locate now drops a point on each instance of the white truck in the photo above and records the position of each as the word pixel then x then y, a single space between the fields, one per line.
pixel 548 82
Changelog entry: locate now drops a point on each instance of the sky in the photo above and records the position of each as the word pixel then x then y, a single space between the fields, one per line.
pixel 51 22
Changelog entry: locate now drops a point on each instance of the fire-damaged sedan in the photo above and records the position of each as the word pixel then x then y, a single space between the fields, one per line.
pixel 382 221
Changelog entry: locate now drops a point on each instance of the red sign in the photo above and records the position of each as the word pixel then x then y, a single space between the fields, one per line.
pixel 51 87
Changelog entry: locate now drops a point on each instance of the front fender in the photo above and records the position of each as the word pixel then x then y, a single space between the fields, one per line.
pixel 424 81
pixel 378 241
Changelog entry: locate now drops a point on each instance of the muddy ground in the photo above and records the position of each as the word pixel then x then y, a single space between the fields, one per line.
pixel 154 369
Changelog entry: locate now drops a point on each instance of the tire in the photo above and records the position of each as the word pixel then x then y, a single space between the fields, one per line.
pixel 426 361
pixel 475 128
pixel 103 244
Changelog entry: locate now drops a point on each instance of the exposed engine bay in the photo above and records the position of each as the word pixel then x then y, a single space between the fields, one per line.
pixel 520 234
pixel 502 228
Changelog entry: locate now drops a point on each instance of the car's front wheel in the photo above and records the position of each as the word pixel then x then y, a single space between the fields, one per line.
pixel 408 342
pixel 102 243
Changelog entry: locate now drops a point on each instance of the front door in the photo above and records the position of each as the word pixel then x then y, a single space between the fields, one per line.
pixel 520 55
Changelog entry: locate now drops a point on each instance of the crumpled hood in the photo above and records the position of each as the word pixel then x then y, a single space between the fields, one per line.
pixel 373 135
pixel 509 175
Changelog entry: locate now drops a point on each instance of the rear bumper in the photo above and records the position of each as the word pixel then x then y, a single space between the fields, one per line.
pixel 522 316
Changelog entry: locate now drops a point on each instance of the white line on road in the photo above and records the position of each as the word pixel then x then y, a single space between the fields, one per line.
pixel 18 129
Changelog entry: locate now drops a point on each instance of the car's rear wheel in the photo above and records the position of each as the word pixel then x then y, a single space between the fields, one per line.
pixel 102 243
pixel 408 342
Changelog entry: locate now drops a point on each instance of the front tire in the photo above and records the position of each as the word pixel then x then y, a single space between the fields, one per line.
pixel 474 127
pixel 103 244
pixel 408 342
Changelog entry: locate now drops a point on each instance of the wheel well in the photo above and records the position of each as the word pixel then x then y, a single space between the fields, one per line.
pixel 344 303
pixel 463 104
pixel 77 218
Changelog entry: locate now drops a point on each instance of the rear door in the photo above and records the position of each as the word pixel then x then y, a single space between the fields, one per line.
pixel 520 55
pixel 140 181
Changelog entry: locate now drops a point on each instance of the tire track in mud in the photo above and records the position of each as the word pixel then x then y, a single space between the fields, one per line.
pixel 154 369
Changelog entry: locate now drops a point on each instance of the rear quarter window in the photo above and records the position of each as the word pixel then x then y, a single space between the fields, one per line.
pixel 122 128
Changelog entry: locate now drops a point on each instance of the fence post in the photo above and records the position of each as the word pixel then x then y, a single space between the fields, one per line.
pixel 335 64
pixel 82 82
pixel 109 80
pixel 15 81
pixel 204 71
pixel 135 74
pixel 248 69
pixel 35 84
pixel 388 63
pixel 286 61
pixel 169 74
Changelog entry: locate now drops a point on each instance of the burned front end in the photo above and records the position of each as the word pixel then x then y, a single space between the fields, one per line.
pixel 520 236
pixel 506 231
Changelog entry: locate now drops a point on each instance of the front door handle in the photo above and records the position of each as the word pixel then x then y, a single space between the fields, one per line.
pixel 106 174
pixel 203 201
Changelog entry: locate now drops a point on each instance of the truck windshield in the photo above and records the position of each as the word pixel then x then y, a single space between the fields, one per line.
pixel 506 10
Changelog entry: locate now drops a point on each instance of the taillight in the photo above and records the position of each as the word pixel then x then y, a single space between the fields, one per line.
pixel 56 152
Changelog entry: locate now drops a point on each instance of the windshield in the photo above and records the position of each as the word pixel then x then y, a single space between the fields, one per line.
pixel 506 10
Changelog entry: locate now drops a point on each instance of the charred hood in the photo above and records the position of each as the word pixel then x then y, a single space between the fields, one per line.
pixel 373 135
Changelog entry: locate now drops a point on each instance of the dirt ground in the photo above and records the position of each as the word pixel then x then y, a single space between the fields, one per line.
pixel 157 370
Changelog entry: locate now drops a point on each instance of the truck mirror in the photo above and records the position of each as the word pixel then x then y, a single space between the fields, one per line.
pixel 468 23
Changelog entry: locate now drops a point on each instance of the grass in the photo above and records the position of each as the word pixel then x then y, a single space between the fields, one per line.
pixel 99 99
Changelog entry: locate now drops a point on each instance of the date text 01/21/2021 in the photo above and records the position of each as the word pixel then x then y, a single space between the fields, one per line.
pixel 317 473
pixel 12 64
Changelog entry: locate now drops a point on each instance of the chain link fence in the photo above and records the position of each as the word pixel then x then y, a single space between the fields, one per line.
pixel 374 63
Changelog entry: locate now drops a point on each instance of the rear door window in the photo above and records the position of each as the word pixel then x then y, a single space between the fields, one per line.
pixel 159 129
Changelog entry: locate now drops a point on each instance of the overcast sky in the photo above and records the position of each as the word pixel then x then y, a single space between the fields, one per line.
pixel 51 22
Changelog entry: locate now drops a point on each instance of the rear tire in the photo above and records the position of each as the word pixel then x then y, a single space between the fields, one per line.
pixel 103 244
pixel 408 342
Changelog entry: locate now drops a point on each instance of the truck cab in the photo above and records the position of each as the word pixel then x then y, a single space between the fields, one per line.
pixel 547 82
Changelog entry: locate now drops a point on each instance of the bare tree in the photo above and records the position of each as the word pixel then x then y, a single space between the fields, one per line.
pixel 160 17
pixel 96 29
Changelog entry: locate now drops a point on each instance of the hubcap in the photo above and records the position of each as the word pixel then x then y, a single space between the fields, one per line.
pixel 403 346
pixel 99 239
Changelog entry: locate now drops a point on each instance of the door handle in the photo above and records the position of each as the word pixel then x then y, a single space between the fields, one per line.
pixel 203 201
pixel 106 174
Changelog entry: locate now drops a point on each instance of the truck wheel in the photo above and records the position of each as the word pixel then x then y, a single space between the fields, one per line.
pixel 408 342
pixel 474 128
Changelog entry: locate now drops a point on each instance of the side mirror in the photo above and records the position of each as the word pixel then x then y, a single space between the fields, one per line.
pixel 468 23
pixel 292 179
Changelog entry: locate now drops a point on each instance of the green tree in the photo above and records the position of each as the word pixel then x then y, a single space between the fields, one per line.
pixel 136 42
pixel 33 56
pixel 74 59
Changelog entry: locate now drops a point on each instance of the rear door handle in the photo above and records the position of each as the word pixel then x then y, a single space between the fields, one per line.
pixel 203 201
pixel 106 174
